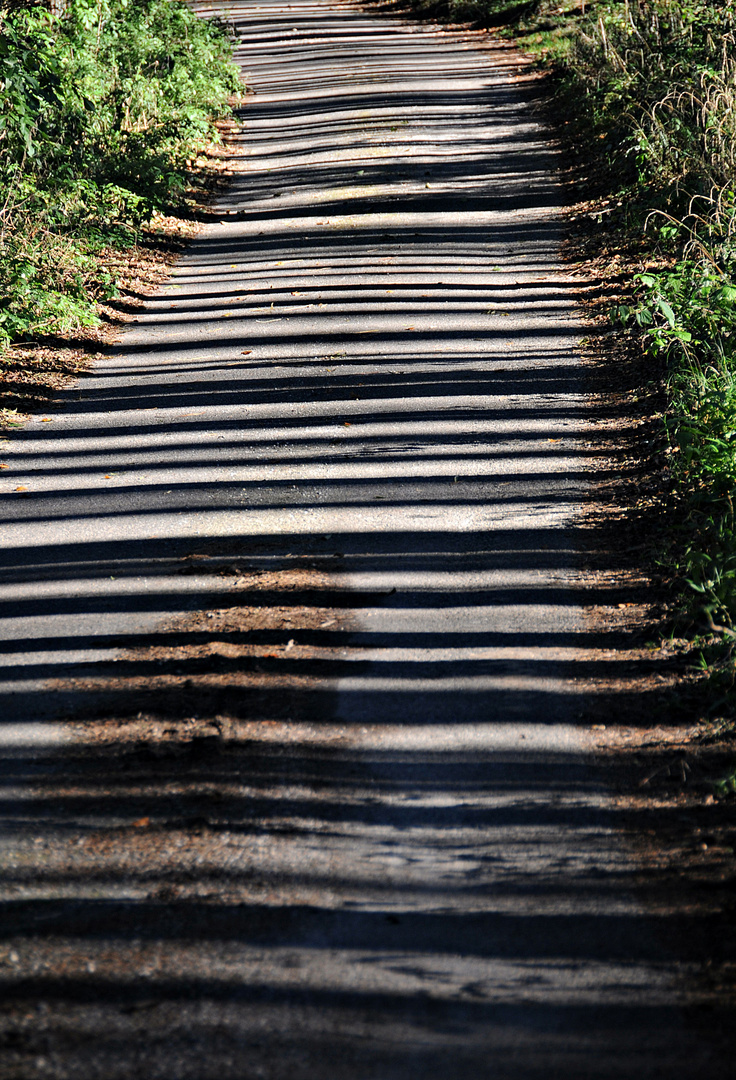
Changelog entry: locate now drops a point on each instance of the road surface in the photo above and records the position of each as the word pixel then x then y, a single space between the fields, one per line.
pixel 297 755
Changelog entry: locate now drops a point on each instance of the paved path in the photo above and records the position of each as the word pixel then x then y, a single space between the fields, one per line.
pixel 297 779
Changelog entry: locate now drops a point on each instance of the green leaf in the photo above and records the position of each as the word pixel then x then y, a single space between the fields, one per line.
pixel 667 311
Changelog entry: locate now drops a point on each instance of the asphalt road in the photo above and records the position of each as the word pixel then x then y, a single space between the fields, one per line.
pixel 296 670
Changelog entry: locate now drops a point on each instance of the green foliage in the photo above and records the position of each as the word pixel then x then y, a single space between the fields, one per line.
pixel 688 315
pixel 31 79
pixel 726 785
pixel 100 112
pixel 658 81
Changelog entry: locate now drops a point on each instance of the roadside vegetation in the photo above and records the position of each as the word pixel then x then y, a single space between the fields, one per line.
pixel 651 84
pixel 659 82
pixel 105 109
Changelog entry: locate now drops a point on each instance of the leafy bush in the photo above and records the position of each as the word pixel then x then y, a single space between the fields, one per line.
pixel 100 111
